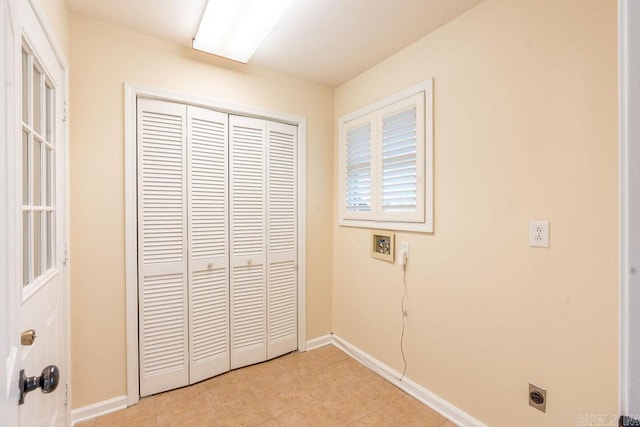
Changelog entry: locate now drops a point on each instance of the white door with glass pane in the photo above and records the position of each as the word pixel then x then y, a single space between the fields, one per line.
pixel 42 209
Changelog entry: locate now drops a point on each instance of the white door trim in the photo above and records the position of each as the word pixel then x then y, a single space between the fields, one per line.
pixel 131 92
pixel 629 170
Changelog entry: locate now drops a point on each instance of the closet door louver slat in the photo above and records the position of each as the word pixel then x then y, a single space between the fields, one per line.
pixel 208 243
pixel 247 240
pixel 281 239
pixel 162 255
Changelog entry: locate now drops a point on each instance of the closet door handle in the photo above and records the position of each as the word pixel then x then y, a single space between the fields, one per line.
pixel 210 265
pixel 249 261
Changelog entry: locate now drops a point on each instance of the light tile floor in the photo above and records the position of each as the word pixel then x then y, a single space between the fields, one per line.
pixel 322 387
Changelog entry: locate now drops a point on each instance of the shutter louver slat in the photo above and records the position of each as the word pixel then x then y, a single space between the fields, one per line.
pixel 208 188
pixel 282 197
pixel 248 190
pixel 249 308
pixel 162 174
pixel 282 301
pixel 209 327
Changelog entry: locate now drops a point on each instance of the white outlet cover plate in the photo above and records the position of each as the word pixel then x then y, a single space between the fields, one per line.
pixel 539 234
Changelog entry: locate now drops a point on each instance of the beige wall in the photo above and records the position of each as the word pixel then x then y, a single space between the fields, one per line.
pixel 56 12
pixel 525 129
pixel 102 58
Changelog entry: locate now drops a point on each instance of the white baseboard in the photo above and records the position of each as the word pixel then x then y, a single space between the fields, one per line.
pixel 444 408
pixel 319 342
pixel 98 409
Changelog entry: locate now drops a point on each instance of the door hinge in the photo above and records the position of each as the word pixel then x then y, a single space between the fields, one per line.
pixel 65 258
pixel 65 115
pixel 66 395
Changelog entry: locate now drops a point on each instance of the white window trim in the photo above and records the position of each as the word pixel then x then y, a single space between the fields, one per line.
pixel 131 93
pixel 425 226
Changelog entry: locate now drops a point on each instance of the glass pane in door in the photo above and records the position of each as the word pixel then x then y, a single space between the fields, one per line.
pixel 26 246
pixel 37 243
pixel 49 241
pixel 37 100
pixel 48 108
pixel 37 172
pixel 25 168
pixel 25 87
pixel 48 177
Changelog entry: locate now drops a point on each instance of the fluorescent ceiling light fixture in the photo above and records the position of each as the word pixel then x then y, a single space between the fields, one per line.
pixel 236 28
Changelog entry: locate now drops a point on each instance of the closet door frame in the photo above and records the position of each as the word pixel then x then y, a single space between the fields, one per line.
pixel 131 94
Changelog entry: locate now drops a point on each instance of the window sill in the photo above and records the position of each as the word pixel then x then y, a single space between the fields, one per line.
pixel 419 227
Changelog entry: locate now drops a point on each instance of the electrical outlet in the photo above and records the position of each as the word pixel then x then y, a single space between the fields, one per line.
pixel 537 397
pixel 539 234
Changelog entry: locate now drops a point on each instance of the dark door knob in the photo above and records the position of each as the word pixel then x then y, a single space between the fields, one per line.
pixel 48 382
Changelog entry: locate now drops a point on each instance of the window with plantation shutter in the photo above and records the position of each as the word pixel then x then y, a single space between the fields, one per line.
pixel 385 163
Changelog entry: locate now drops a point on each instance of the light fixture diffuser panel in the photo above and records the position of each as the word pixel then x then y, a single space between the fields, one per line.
pixel 235 29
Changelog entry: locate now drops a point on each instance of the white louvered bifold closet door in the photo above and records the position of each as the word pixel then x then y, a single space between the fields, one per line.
pixel 247 240
pixel 208 244
pixel 162 249
pixel 217 242
pixel 281 239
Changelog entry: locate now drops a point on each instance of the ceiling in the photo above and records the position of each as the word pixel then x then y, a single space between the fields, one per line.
pixel 324 41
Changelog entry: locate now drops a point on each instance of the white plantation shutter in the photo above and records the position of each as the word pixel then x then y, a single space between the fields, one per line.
pixel 248 240
pixel 401 159
pixel 162 251
pixel 385 163
pixel 358 174
pixel 208 244
pixel 281 238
